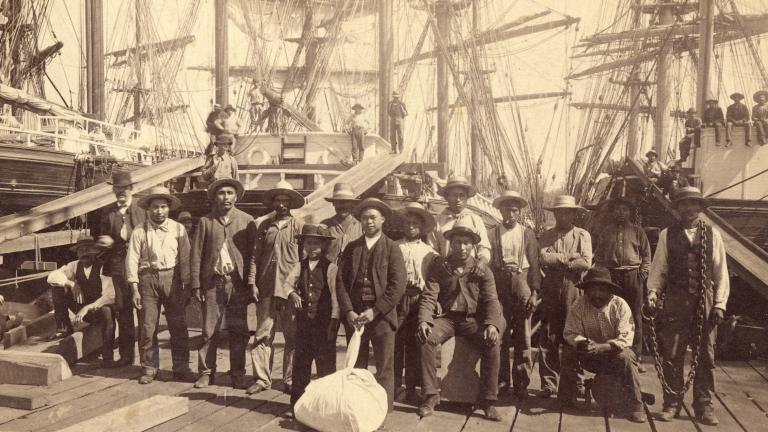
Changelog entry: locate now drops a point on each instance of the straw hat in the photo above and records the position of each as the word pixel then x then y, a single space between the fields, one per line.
pixel 564 202
pixel 463 227
pixel 373 203
pixel 161 192
pixel 689 193
pixel 284 188
pixel 395 94
pixel 343 192
pixel 357 107
pixel 121 179
pixel 758 93
pixel 214 187
pixel 316 231
pixel 413 207
pixel 598 276
pixel 510 195
pixel 713 100
pixel 458 182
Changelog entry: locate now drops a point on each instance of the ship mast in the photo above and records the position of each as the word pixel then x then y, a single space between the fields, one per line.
pixel 94 40
pixel 386 64
pixel 662 122
pixel 706 51
pixel 221 56
pixel 442 16
pixel 139 72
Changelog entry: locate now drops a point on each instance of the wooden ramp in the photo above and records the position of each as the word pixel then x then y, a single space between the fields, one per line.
pixel 59 210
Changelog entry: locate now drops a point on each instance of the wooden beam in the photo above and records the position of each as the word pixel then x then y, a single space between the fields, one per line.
pixel 22 397
pixel 507 99
pixel 145 49
pixel 136 417
pixel 45 240
pixel 32 368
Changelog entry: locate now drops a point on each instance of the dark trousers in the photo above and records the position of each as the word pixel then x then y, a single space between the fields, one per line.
pixel 676 333
pixel 63 302
pixel 558 294
pixel 447 327
pixel 406 346
pixel 312 344
pixel 716 127
pixel 126 324
pixel 226 301
pixel 762 127
pixel 358 137
pixel 381 335
pixel 747 130
pixel 620 366
pixel 514 292
pixel 163 288
pixel 632 291
pixel 396 135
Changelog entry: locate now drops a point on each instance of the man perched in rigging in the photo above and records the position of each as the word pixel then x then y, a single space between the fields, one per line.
pixel 689 271
pixel 397 114
pixel 737 114
pixel 713 117
pixel 357 126
pixel 692 134
pixel 760 115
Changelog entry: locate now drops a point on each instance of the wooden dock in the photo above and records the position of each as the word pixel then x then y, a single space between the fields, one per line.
pixel 741 404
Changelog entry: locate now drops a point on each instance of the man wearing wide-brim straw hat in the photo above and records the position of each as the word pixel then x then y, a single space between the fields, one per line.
pixel 653 167
pixel 83 287
pixel 515 264
pixel 397 114
pixel 760 115
pixel 566 253
pixel 343 226
pixel 118 221
pixel 369 287
pixel 158 269
pixel 275 252
pixel 456 192
pixel 737 114
pixel 677 275
pixel 357 126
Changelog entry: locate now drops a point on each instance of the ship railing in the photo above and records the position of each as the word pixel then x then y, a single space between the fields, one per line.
pixel 59 125
pixel 76 144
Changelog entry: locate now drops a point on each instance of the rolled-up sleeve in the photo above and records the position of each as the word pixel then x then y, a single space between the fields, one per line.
pixel 63 275
pixel 332 271
pixel 283 290
pixel 625 327
pixel 573 332
pixel 658 274
pixel 107 292
pixel 133 255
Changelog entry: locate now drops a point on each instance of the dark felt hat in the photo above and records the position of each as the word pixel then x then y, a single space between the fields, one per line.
pixel 121 179
pixel 689 193
pixel 651 152
pixel 357 107
pixel 161 192
pixel 458 182
pixel 184 216
pixel 598 276
pixel 224 139
pixel 413 207
pixel 316 231
pixel 213 187
pixel 737 96
pixel 373 203
pixel 94 246
pixel 284 188
pixel 691 111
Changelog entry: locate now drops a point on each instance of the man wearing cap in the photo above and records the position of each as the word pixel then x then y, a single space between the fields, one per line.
pixel 689 265
pixel 713 117
pixel 222 164
pixel 623 248
pixel 369 286
pixel 653 167
pixel 598 334
pixel 460 300
pixel 157 267
pixel 418 255
pixel 82 287
pixel 760 115
pixel 343 226
pixel 397 114
pixel 515 264
pixel 275 253
pixel 357 126
pixel 566 253
pixel 737 114
pixel 456 192
pixel 185 218
pixel 219 263
pixel 118 221
pixel 692 134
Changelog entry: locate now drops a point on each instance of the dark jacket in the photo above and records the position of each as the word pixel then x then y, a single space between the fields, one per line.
pixel 111 222
pixel 713 115
pixel 531 254
pixel 443 287
pixel 389 277
pixel 737 112
pixel 208 239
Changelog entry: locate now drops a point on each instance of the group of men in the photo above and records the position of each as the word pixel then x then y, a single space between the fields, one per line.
pixel 737 115
pixel 358 126
pixel 447 276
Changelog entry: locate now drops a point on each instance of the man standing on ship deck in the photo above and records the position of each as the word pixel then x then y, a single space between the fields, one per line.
pixel 397 114
pixel 343 226
pixel 357 126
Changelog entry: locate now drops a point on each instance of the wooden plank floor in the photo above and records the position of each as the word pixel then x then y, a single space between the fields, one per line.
pixel 741 403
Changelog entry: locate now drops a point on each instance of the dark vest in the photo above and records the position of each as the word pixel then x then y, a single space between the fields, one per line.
pixel 91 286
pixel 683 259
pixel 365 293
pixel 314 290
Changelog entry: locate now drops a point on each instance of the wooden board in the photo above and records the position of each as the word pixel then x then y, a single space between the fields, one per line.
pixel 138 417
pixel 272 414
pixel 240 405
pixel 649 382
pixel 22 397
pixel 738 408
pixel 536 414
pixel 749 381
pixel 41 325
pixel 41 369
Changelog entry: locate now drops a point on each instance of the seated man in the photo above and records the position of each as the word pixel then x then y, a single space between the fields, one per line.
pixel 460 299
pixel 82 287
pixel 599 331
pixel 713 117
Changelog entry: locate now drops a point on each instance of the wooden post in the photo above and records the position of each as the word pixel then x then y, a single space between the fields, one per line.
pixel 221 68
pixel 663 85
pixel 706 52
pixel 386 50
pixel 95 54
pixel 442 10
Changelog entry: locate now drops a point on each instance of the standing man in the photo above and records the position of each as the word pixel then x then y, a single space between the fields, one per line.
pixel 713 117
pixel 689 266
pixel 222 164
pixel 213 127
pixel 369 286
pixel 566 253
pixel 157 267
pixel 456 192
pixel 219 260
pixel 460 299
pixel 343 226
pixel 760 115
pixel 275 253
pixel 118 221
pixel 515 264
pixel 397 114
pixel 623 248
pixel 185 218
pixel 357 126
pixel 653 167
pixel 257 105
pixel 737 114
pixel 692 134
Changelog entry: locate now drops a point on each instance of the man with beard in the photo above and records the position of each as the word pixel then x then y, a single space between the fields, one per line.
pixel 623 248
pixel 342 226
pixel 370 283
pixel 118 221
pixel 460 300
pixel 599 331
pixel 515 264
pixel 275 253
pixel 689 266
pixel 566 253
pixel 456 192
pixel 157 267
pixel 220 254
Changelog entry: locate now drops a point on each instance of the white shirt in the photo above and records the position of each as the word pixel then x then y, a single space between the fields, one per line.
pixel 512 245
pixel 417 255
pixel 657 279
pixel 66 274
pixel 447 219
pixel 122 209
pixel 370 242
